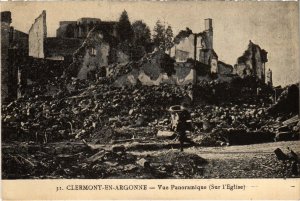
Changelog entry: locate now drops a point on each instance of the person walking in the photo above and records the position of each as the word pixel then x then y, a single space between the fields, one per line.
pixel 181 123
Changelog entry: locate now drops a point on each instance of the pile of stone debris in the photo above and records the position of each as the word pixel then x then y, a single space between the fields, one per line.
pixel 70 110
pixel 230 123
pixel 78 161
pixel 76 109
pixel 83 108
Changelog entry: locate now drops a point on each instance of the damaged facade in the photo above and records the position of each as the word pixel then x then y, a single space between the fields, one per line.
pixel 86 44
pixel 155 69
pixel 252 62
pixel 53 48
pixel 98 50
pixel 197 46
pixel 37 36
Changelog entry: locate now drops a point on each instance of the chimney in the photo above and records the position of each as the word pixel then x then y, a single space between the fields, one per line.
pixel 6 17
pixel 208 24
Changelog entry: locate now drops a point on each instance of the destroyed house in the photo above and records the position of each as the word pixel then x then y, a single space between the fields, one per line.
pixel 252 62
pixel 197 46
pixel 70 37
pixel 14 50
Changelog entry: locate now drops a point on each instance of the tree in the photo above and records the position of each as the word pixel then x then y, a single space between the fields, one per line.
pixel 124 28
pixel 169 38
pixel 159 35
pixel 141 33
pixel 162 37
pixel 142 36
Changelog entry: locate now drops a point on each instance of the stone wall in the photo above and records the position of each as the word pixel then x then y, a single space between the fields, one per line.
pixel 150 72
pixel 206 56
pixel 183 76
pixel 224 69
pixel 97 51
pixel 37 35
pixel 243 69
pixel 186 48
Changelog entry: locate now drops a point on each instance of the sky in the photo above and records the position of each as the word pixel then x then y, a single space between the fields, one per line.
pixel 274 26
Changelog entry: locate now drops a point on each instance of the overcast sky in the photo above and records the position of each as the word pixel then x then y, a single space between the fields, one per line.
pixel 274 26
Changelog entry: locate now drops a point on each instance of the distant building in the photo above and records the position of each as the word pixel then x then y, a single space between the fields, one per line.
pixel 81 27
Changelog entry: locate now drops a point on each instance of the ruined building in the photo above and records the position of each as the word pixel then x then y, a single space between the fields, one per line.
pixel 252 62
pixel 70 37
pixel 54 48
pixel 14 50
pixel 91 45
pixel 87 44
pixel 81 27
pixel 199 47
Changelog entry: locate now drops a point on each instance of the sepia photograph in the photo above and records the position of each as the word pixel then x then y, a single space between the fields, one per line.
pixel 149 90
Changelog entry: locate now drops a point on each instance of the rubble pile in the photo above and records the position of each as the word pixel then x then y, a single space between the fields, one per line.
pixel 117 70
pixel 238 91
pixel 52 117
pixel 68 164
pixel 288 101
pixel 73 109
pixel 51 162
pixel 45 118
pixel 179 164
pixel 241 115
pixel 241 124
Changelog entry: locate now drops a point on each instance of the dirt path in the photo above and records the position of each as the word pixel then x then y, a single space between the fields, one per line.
pixel 231 152
pixel 247 161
